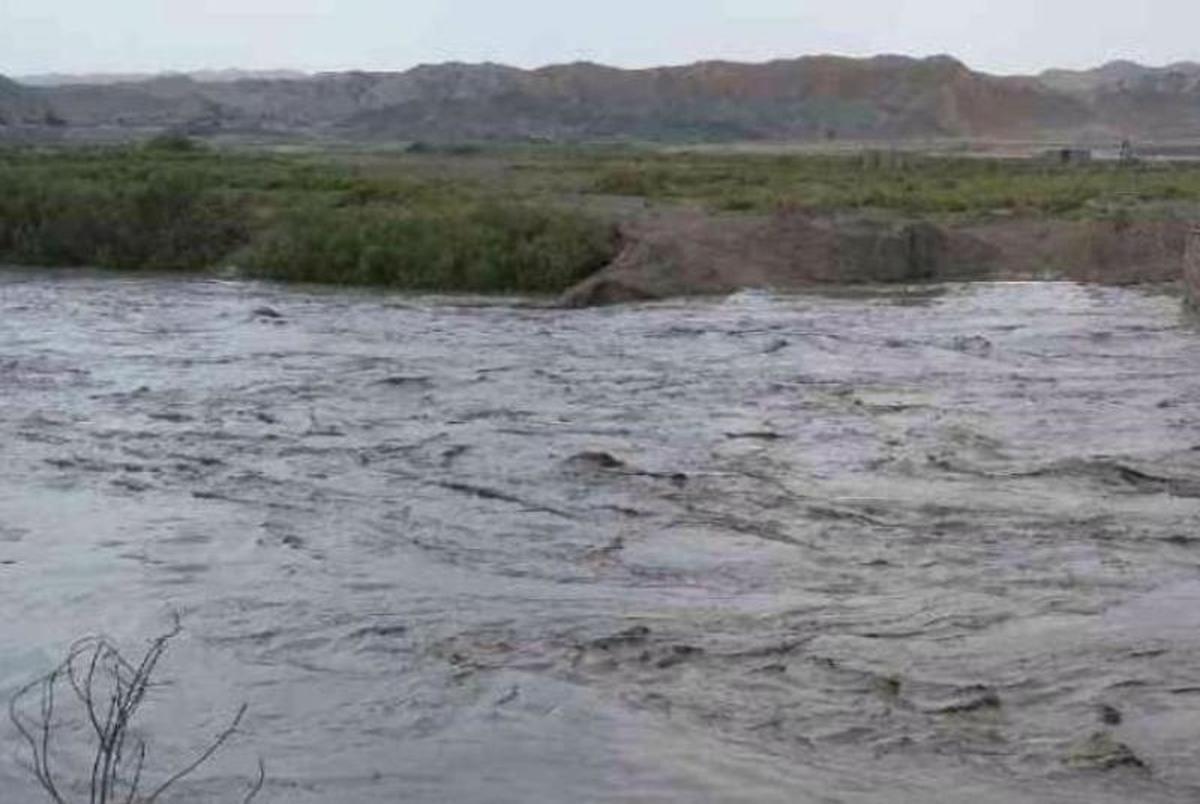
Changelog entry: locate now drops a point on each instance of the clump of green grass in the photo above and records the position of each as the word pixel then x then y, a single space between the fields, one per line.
pixel 481 247
pixel 636 179
pixel 166 223
pixel 173 142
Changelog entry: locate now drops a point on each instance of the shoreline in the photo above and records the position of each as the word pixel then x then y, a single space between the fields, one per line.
pixel 1191 268
pixel 686 253
pixel 594 227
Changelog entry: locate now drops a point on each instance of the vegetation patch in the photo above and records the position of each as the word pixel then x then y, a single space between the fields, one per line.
pixel 518 219
pixel 171 205
pixel 479 246
pixel 163 222
pixel 907 184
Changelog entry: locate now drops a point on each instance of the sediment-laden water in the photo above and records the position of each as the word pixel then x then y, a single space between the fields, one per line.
pixel 901 547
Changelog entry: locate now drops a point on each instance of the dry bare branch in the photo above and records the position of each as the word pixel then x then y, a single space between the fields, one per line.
pixel 109 690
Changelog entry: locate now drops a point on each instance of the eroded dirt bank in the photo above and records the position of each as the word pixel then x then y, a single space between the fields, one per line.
pixel 904 547
pixel 685 252
pixel 1191 268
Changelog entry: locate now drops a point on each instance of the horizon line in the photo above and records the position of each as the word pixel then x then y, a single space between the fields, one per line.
pixel 315 72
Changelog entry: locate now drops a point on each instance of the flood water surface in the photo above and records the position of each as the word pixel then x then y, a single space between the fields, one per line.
pixel 932 547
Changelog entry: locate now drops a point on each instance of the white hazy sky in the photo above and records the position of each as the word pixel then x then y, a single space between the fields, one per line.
pixel 995 35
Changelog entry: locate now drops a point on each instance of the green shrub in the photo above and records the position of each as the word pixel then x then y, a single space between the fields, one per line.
pixel 165 223
pixel 484 247
pixel 173 142
pixel 635 179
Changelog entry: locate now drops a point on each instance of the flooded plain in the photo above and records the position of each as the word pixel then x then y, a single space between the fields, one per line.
pixel 929 546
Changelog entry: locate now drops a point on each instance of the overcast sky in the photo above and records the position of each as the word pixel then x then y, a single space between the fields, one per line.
pixel 996 35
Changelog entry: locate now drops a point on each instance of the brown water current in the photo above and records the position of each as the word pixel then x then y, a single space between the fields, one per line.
pixel 925 546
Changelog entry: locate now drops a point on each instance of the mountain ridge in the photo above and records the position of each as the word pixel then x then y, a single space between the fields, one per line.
pixel 818 97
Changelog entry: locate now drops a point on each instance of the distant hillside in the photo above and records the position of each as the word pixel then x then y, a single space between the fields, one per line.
pixel 21 107
pixel 1117 75
pixel 214 76
pixel 803 99
pixel 1157 101
pixel 813 98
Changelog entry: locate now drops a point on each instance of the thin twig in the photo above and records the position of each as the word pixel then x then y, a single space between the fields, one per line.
pixel 137 774
pixel 258 785
pixel 215 746
pixel 95 670
pixel 24 730
pixel 48 723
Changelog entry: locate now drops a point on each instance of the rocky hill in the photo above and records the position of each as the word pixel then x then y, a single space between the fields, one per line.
pixel 208 76
pixel 20 106
pixel 804 99
pixel 813 98
pixel 1160 101
pixel 1118 75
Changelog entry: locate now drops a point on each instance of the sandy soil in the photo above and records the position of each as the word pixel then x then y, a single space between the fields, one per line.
pixel 679 252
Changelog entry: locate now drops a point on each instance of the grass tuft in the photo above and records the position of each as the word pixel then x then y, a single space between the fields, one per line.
pixel 483 247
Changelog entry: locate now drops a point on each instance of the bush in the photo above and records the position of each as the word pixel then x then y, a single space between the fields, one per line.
pixel 635 180
pixel 481 247
pixel 166 222
pixel 173 142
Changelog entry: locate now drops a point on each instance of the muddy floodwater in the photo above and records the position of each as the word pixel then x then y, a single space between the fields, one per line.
pixel 929 546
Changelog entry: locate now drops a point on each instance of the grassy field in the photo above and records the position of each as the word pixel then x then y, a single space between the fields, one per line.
pixel 519 219
pixel 906 184
pixel 183 208
pixel 900 183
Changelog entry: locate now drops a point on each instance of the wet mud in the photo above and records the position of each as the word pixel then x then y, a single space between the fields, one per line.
pixel 921 546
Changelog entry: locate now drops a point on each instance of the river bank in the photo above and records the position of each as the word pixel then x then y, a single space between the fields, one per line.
pixel 689 252
pixel 592 226
pixel 1191 267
